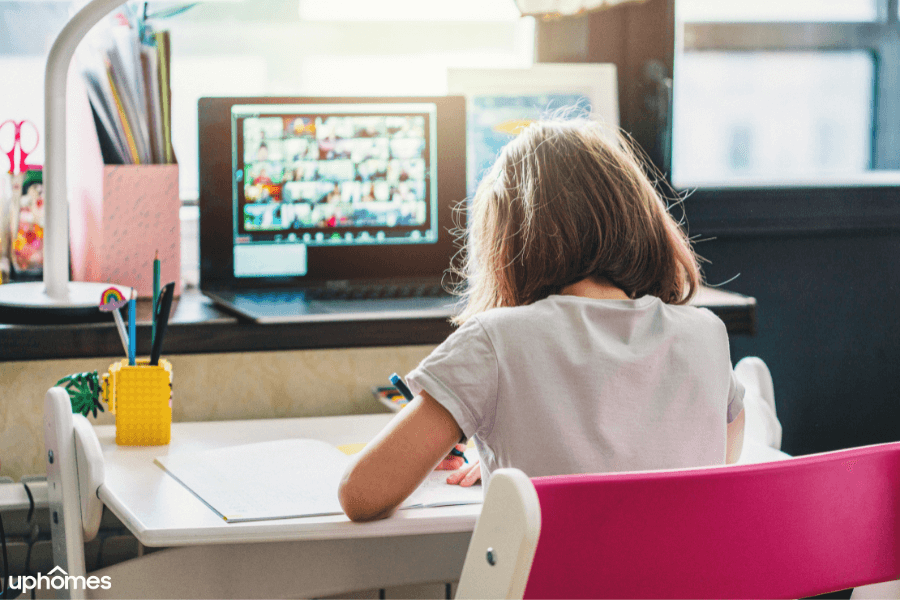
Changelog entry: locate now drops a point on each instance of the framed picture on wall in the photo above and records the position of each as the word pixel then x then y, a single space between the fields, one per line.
pixel 501 102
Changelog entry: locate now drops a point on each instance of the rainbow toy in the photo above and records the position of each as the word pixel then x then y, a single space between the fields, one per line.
pixel 112 299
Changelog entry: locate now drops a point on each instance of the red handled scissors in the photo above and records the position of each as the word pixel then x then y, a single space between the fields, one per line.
pixel 22 134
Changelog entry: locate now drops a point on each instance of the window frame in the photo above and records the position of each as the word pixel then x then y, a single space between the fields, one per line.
pixel 631 35
pixel 880 38
pixel 790 210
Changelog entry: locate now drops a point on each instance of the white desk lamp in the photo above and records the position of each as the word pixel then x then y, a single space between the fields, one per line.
pixel 56 298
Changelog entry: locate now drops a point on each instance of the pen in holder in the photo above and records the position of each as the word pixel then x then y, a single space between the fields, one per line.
pixel 141 398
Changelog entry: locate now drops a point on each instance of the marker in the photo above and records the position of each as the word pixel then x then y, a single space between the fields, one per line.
pixel 401 386
pixel 398 383
pixel 161 314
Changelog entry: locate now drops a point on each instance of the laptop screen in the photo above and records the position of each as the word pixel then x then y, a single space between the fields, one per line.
pixel 329 174
pixel 328 188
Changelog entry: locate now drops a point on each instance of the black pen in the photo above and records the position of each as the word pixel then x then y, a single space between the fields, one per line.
pixel 398 383
pixel 161 317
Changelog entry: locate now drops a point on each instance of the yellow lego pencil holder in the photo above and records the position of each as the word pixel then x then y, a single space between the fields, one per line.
pixel 141 398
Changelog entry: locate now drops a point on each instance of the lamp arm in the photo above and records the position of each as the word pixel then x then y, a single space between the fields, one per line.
pixel 56 226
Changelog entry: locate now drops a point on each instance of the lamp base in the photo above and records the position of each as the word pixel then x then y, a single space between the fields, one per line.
pixel 28 303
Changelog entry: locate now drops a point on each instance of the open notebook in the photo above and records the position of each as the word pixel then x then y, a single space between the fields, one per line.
pixel 285 479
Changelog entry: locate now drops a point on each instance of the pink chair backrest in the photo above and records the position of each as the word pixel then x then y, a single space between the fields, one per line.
pixel 791 528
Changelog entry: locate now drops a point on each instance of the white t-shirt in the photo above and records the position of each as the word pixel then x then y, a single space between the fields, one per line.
pixel 577 385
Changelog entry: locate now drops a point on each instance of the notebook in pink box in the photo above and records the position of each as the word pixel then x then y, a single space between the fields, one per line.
pixel 122 228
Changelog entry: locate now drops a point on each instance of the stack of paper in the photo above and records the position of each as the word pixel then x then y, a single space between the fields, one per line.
pixel 286 479
pixel 126 69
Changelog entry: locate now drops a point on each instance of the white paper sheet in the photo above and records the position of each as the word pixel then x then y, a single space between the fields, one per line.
pixel 285 479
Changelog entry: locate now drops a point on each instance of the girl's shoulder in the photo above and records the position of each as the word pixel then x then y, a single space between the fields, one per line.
pixel 695 323
pixel 560 304
pixel 555 311
pixel 693 313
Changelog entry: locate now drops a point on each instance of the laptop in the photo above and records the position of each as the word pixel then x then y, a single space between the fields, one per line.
pixel 330 209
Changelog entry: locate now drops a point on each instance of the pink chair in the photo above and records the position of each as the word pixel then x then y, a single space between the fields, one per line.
pixel 786 529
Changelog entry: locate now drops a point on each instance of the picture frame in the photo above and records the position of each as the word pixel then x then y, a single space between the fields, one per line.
pixel 501 102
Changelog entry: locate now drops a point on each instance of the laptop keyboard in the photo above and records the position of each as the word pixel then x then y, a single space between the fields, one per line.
pixel 343 301
pixel 373 291
pixel 352 292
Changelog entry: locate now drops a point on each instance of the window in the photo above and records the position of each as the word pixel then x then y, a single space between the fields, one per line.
pixel 778 10
pixel 282 47
pixel 340 48
pixel 786 93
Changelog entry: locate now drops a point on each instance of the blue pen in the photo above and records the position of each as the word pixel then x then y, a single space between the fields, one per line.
pixel 398 383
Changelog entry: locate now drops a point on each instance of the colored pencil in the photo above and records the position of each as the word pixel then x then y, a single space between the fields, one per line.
pixel 132 331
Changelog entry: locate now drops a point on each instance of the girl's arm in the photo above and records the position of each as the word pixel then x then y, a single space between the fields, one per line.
pixel 393 464
pixel 734 439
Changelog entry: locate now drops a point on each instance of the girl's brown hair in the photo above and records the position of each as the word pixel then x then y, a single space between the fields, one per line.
pixel 564 203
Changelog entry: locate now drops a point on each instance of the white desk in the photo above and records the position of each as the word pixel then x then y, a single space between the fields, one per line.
pixel 162 512
pixel 304 557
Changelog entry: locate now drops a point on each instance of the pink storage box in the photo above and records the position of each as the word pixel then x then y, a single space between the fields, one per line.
pixel 119 215
pixel 118 228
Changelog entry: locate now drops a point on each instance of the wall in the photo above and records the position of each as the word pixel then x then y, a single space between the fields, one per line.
pixel 827 328
pixel 210 387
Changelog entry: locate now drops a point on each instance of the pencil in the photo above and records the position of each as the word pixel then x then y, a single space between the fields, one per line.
pixel 132 331
pixel 123 335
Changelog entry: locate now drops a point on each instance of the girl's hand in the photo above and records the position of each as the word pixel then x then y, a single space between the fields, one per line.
pixel 467 476
pixel 452 462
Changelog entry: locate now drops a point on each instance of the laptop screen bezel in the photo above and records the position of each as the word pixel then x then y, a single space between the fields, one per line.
pixel 326 263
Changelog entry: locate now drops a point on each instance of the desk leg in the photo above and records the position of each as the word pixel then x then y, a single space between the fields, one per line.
pixel 288 569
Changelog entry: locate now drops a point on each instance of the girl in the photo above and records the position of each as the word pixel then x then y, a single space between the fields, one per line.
pixel 575 352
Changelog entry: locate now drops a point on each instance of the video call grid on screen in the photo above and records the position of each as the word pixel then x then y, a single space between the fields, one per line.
pixel 334 174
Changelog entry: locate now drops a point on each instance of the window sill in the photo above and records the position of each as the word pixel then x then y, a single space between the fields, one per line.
pixel 792 211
